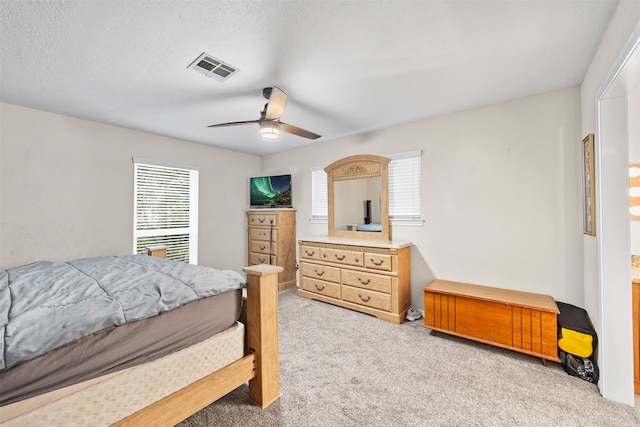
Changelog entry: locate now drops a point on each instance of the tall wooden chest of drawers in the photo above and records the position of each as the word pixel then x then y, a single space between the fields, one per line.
pixel 272 240
pixel 373 278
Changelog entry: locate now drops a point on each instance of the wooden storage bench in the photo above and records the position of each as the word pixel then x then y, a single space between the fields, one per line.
pixel 519 321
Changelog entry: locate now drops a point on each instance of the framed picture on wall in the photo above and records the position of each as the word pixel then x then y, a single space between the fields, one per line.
pixel 588 174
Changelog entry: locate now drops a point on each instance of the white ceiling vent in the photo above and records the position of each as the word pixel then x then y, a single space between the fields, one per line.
pixel 213 67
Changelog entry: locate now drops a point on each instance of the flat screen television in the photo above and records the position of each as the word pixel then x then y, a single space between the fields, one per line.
pixel 270 191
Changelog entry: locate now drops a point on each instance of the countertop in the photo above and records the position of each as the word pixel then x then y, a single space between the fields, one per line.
pixel 357 242
pixel 635 268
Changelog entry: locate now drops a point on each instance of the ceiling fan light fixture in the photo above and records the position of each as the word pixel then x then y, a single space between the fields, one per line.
pixel 269 121
pixel 269 131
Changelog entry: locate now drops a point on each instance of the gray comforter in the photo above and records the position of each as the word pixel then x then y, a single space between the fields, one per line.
pixel 45 305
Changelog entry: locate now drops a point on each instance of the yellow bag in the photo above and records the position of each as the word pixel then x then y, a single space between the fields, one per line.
pixel 575 343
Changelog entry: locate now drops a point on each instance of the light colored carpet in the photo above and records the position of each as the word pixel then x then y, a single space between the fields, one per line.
pixel 343 368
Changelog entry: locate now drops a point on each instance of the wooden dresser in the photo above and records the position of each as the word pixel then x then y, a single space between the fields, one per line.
pixel 635 297
pixel 272 240
pixel 521 321
pixel 636 336
pixel 370 277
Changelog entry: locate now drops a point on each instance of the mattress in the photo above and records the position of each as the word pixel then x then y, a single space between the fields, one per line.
pixel 116 348
pixel 129 391
pixel 45 304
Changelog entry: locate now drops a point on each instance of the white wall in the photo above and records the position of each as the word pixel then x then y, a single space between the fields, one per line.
pixel 500 191
pixel 66 189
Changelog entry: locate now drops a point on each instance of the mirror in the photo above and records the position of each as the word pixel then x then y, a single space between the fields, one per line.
pixel 357 203
pixel 358 198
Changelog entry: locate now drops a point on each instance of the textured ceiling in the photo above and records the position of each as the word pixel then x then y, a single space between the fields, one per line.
pixel 348 67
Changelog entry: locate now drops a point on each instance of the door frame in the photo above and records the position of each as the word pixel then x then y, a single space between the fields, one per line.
pixel 615 349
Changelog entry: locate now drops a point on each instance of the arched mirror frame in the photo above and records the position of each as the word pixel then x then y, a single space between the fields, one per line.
pixel 359 167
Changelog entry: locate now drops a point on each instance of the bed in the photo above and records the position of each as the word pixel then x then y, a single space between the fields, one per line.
pixel 159 382
pixel 372 226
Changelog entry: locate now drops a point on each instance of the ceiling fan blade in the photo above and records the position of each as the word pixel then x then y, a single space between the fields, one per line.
pixel 234 123
pixel 298 131
pixel 277 102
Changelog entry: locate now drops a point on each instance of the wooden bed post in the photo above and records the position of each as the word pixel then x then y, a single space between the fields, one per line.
pixel 262 332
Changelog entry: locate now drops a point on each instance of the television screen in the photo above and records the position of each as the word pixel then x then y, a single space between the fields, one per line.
pixel 271 191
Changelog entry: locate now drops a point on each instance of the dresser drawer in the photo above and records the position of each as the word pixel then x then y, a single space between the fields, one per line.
pixel 320 287
pixel 341 256
pixel 264 220
pixel 309 252
pixel 365 297
pixel 378 261
pixel 261 247
pixel 261 259
pixel 256 233
pixel 317 271
pixel 359 279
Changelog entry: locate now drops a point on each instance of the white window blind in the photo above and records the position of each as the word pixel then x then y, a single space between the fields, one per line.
pixel 404 187
pixel 166 209
pixel 319 206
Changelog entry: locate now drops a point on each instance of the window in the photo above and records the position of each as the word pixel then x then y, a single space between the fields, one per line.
pixel 165 209
pixel 319 205
pixel 404 190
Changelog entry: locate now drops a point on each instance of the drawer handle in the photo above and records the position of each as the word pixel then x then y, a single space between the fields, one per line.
pixel 364 299
pixel 364 282
pixel 319 273
pixel 262 260
pixel 262 247
pixel 319 288
pixel 262 219
pixel 338 258
pixel 377 263
pixel 312 253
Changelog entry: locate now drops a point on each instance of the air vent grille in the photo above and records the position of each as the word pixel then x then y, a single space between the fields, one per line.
pixel 213 67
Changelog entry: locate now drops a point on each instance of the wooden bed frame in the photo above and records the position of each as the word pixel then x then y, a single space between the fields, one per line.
pixel 260 365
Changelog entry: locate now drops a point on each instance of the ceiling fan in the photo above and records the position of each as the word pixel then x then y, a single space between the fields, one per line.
pixel 269 121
